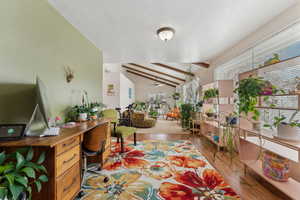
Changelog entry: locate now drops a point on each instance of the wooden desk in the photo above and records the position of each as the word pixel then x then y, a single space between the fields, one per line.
pixel 63 157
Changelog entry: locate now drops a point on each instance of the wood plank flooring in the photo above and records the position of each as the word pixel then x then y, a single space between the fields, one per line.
pixel 249 186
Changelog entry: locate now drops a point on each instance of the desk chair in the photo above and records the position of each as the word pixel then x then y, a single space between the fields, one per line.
pixel 120 132
pixel 92 146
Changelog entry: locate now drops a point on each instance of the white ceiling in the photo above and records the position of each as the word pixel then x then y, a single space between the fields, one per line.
pixel 125 29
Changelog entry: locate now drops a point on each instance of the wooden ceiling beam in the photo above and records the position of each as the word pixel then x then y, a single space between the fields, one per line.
pixel 147 77
pixel 174 69
pixel 202 64
pixel 159 72
pixel 157 77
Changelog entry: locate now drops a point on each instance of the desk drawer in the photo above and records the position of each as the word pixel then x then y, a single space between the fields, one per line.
pixel 68 144
pixel 67 160
pixel 69 183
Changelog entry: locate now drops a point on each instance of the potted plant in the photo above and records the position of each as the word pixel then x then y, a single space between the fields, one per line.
pixel 286 130
pixel 248 91
pixel 185 111
pixel 19 174
pixel 210 113
pixel 94 109
pixel 176 96
pixel 210 93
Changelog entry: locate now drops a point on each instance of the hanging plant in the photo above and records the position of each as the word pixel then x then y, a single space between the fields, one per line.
pixel 248 91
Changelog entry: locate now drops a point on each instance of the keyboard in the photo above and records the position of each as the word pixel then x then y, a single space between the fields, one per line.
pixel 53 131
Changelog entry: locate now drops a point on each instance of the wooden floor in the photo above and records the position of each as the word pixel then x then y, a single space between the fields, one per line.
pixel 249 186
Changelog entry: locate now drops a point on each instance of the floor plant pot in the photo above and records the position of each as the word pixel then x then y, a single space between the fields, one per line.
pixel 287 132
pixel 275 167
pixel 82 116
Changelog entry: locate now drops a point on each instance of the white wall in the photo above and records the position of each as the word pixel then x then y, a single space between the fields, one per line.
pixel 112 74
pixel 125 84
pixel 144 87
pixel 286 18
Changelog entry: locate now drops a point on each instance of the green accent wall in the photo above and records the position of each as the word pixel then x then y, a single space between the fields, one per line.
pixel 35 40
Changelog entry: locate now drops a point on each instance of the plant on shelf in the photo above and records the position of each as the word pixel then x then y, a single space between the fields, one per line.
pixel 210 113
pixel 248 91
pixel 198 106
pixel 186 112
pixel 286 130
pixel 19 173
pixel 176 96
pixel 210 93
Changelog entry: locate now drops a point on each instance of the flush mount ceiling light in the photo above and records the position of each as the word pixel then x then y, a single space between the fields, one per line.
pixel 165 33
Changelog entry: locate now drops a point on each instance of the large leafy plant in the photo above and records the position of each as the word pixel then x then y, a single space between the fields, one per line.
pixel 186 112
pixel 248 91
pixel 19 173
pixel 140 106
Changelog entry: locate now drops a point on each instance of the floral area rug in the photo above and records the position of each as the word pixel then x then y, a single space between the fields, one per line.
pixel 157 170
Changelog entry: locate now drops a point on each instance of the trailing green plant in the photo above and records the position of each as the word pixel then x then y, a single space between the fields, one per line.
pixel 210 93
pixel 248 91
pixel 186 113
pixel 19 173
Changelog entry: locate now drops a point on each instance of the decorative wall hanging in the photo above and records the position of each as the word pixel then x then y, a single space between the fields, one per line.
pixel 69 74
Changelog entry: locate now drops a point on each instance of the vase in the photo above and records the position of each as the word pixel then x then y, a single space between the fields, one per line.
pixel 256 126
pixel 82 117
pixel 275 167
pixel 287 132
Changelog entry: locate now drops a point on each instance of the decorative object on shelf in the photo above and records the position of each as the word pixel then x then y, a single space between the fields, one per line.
pixel 216 138
pixel 275 166
pixel 268 88
pixel 69 74
pixel 210 93
pixel 176 96
pixel 186 112
pixel 199 106
pixel 275 59
pixel 286 130
pixel 165 33
pixel 231 119
pixel 256 125
pixel 19 174
pixel 210 113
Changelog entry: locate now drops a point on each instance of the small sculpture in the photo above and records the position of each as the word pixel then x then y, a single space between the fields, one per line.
pixel 69 74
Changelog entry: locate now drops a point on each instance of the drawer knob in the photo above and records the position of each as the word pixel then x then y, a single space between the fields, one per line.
pixel 69 143
pixel 70 159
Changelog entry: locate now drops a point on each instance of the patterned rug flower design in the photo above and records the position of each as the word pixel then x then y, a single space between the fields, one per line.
pixel 157 170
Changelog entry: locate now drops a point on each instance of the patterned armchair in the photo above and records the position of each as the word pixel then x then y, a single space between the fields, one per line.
pixel 139 120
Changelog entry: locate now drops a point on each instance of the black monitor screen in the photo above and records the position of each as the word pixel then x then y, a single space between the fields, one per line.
pixel 12 130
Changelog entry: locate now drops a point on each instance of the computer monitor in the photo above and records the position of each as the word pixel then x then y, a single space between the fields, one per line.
pixel 42 100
